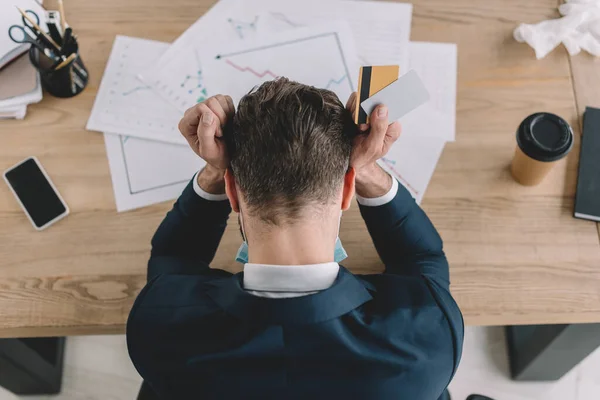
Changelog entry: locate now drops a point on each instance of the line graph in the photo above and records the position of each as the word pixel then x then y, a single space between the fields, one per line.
pixel 191 78
pixel 250 70
pixel 284 18
pixel 240 27
pixel 280 44
pixel 135 89
pixel 391 164
pixel 313 57
pixel 196 86
pixel 127 106
pixel 333 82
pixel 267 72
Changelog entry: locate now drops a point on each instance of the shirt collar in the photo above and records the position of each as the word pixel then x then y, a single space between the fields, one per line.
pixel 290 278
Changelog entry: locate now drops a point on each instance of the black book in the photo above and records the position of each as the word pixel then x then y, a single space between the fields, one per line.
pixel 587 201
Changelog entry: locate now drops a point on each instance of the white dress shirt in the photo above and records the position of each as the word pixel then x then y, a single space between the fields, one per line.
pixel 286 281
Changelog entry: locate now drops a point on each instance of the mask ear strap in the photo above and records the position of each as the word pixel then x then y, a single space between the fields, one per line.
pixel 242 224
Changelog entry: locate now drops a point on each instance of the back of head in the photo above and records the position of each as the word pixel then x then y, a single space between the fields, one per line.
pixel 289 146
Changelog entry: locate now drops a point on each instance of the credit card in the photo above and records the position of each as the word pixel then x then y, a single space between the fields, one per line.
pixel 370 81
pixel 401 97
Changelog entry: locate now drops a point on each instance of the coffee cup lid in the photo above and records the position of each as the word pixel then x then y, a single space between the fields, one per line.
pixel 545 137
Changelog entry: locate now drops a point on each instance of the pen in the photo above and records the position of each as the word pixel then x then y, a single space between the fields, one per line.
pixel 66 61
pixel 40 31
pixel 54 26
pixel 80 70
pixel 54 33
pixel 63 20
pixel 77 79
pixel 66 40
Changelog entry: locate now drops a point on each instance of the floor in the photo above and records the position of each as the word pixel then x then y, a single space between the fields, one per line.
pixel 98 368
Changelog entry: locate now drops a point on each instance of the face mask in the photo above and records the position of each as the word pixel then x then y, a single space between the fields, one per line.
pixel 339 253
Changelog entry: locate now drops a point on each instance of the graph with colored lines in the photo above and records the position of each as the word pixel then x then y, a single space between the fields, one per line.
pixel 322 57
pixel 243 28
pixel 412 161
pixel 135 89
pixel 391 165
pixel 194 84
pixel 127 105
pixel 181 78
pixel 268 73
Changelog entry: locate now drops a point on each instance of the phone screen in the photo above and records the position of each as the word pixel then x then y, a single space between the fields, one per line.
pixel 35 192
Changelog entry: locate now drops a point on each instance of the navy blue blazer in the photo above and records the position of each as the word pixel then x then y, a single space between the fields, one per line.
pixel 194 333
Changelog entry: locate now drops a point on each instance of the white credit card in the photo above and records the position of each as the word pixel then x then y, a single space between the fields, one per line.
pixel 400 97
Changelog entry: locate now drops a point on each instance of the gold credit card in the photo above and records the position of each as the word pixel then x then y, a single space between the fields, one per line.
pixel 370 81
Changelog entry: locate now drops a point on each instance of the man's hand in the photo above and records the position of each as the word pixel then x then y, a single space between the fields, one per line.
pixel 202 126
pixel 370 145
pixel 376 139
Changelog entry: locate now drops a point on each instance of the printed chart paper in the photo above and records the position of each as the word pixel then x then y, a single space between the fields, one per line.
pixel 380 30
pixel 322 57
pixel 146 172
pixel 143 171
pixel 125 104
pixel 412 160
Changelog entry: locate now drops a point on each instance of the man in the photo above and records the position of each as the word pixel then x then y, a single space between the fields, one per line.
pixel 294 324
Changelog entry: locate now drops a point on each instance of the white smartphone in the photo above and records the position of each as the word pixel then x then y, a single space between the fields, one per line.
pixel 36 193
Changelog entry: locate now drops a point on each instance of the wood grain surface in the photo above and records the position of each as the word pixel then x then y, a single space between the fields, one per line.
pixel 517 256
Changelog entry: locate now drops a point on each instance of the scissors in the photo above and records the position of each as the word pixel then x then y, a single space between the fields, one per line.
pixel 19 34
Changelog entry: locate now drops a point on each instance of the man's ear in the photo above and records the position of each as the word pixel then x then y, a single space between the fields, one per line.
pixel 231 190
pixel 348 194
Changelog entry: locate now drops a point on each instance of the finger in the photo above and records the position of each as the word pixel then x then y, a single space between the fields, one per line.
pixel 394 131
pixel 188 131
pixel 363 127
pixel 208 122
pixel 225 105
pixel 379 125
pixel 230 103
pixel 208 143
pixel 228 114
pixel 392 134
pixel 188 125
pixel 215 106
pixel 351 103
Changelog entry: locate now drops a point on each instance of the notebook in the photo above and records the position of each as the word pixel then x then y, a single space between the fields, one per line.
pixel 587 200
pixel 17 79
pixel 20 85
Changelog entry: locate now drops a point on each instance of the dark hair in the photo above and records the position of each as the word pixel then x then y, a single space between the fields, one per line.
pixel 289 146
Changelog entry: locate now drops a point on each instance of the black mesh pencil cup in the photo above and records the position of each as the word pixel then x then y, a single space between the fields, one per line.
pixel 64 78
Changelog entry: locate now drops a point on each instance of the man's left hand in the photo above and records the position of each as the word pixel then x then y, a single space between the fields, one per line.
pixel 376 138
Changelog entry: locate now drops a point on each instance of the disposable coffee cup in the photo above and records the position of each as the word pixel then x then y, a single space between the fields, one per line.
pixel 542 140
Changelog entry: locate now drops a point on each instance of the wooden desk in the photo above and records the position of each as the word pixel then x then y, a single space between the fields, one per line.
pixel 516 254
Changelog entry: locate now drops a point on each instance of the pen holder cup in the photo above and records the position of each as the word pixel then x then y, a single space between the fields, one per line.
pixel 67 81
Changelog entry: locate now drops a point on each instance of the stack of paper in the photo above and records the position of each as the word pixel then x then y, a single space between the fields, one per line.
pixel 20 86
pixel 316 42
pixel 20 83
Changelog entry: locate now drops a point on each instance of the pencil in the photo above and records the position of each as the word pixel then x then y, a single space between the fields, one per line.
pixel 66 61
pixel 40 31
pixel 63 19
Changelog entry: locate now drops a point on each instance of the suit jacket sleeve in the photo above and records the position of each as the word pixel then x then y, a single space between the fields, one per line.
pixel 409 244
pixel 187 239
pixel 406 240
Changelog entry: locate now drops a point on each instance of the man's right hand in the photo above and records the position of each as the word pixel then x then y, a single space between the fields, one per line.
pixel 202 126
